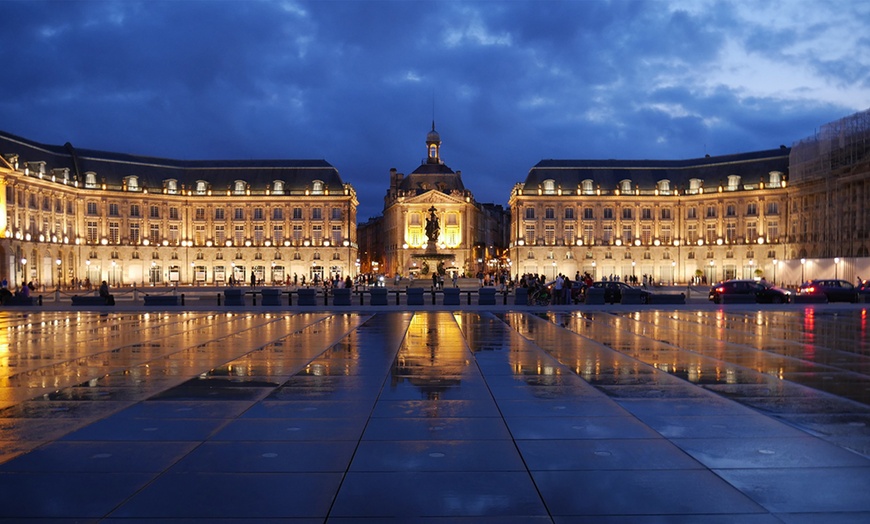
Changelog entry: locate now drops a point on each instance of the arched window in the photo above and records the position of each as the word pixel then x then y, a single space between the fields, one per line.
pixel 90 180
pixel 625 186
pixel 664 187
pixel 201 187
pixel 171 186
pixel 132 183
pixel 587 186
pixel 317 187
pixel 278 187
pixel 695 185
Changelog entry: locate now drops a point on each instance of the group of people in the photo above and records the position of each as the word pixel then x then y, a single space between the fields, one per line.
pixel 561 290
pixel 24 291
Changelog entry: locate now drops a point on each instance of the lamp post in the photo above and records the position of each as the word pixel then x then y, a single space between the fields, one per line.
pixel 803 265
pixel 775 262
pixel 836 267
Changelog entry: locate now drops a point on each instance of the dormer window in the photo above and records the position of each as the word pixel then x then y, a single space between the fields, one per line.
pixel 625 186
pixel 586 186
pixel 775 179
pixel 733 182
pixel 664 187
pixel 239 187
pixel 201 187
pixel 317 187
pixel 171 186
pixel 91 180
pixel 549 186
pixel 132 183
pixel 278 187
pixel 695 186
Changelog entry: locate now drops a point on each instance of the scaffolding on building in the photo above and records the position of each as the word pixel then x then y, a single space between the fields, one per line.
pixel 837 145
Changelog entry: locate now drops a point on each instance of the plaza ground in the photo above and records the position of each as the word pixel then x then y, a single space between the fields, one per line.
pixel 608 414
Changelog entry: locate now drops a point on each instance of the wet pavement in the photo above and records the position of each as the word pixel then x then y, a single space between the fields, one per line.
pixel 614 415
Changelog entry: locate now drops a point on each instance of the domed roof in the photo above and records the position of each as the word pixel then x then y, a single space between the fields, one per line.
pixel 433 135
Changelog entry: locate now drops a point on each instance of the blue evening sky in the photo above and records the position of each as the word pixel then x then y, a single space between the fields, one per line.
pixel 355 82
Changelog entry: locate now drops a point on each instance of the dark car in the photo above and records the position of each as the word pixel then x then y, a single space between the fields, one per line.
pixel 613 291
pixel 835 290
pixel 761 290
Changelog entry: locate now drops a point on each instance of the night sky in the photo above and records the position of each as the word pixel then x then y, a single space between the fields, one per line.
pixel 357 83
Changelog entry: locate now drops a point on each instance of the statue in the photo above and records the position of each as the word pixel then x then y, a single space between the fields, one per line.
pixel 432 227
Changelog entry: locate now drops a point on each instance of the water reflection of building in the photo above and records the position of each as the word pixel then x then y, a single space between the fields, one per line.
pixel 70 214
pixel 430 358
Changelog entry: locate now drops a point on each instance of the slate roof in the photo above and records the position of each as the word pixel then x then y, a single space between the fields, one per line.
pixel 432 176
pixel 113 167
pixel 607 174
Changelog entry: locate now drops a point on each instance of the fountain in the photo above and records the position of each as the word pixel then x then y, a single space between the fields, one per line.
pixel 431 257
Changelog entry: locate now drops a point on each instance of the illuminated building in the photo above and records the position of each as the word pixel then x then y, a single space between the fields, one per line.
pixel 72 215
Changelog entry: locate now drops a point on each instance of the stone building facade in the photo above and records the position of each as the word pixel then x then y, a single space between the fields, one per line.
pixel 73 215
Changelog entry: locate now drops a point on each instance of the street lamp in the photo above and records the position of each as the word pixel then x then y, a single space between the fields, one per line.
pixel 803 264
pixel 836 267
pixel 775 262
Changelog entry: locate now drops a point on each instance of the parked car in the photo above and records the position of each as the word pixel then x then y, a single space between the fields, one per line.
pixel 835 290
pixel 613 291
pixel 761 290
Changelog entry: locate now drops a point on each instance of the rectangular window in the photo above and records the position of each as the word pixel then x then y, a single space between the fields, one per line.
pixel 692 233
pixel 258 213
pixel 588 234
pixel 238 213
pixel 550 234
pixel 549 213
pixel 530 213
pixel 336 213
pixel 134 232
pixel 607 234
pixel 278 234
pixel 608 213
pixel 569 213
pixel 710 237
pixel 666 237
pixel 530 235
pixel 219 213
pixel 751 231
pixel 259 234
pixel 711 211
pixel 731 232
pixel 173 213
pixel 751 209
pixel 92 208
pixel 277 213
pixel 173 233
pixel 773 208
pixel 199 235
pixel 297 234
pixel 692 212
pixel 46 204
pixel 627 234
pixel 337 235
pixel 588 213
pixel 317 234
pixel 220 235
pixel 569 235
pixel 92 232
pixel 731 210
pixel 297 213
pixel 316 213
pixel 113 210
pixel 773 229
pixel 646 214
pixel 154 212
pixel 154 232
pixel 199 213
pixel 239 235
pixel 134 210
pixel 666 213
pixel 626 213
pixel 646 235
pixel 114 232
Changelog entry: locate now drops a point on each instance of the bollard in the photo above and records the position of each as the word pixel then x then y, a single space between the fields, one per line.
pixel 360 297
pixel 397 298
pixel 289 298
pixel 182 299
pixel 325 297
pixel 468 297
pixel 219 298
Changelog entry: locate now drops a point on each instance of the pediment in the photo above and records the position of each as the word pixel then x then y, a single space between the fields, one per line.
pixel 435 197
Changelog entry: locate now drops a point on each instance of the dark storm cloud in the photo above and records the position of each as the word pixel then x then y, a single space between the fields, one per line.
pixel 355 82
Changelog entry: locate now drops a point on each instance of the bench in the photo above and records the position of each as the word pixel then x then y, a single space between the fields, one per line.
pixel 93 300
pixel 595 296
pixel 667 298
pixel 15 300
pixel 415 296
pixel 379 296
pixel 162 300
pixel 451 296
pixel 307 296
pixel 486 296
pixel 521 296
pixel 234 297
pixel 341 296
pixel 271 296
